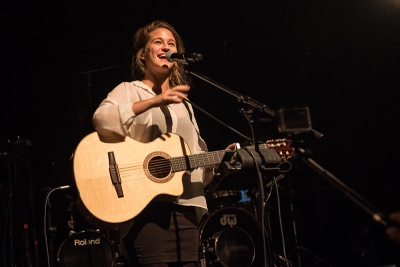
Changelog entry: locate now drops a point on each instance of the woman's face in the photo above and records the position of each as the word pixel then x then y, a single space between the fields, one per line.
pixel 160 42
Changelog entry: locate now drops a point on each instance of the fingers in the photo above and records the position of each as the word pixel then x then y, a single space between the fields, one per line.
pixel 182 88
pixel 179 92
pixel 174 95
pixel 231 146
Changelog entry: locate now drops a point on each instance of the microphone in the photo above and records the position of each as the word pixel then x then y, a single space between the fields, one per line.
pixel 184 58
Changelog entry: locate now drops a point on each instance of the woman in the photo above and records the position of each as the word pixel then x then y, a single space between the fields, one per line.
pixel 163 234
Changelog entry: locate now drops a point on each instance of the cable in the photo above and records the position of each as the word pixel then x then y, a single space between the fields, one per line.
pixel 45 220
pixel 280 222
pixel 262 196
pixel 9 215
pixel 7 211
pixel 33 216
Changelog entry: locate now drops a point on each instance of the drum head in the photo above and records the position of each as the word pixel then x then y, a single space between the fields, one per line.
pixel 233 247
pixel 86 249
pixel 232 238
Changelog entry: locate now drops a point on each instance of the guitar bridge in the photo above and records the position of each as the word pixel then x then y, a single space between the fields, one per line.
pixel 114 174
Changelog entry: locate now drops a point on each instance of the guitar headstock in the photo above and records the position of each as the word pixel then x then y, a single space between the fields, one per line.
pixel 282 147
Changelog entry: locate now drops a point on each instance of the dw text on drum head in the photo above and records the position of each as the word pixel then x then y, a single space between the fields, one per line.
pixel 232 237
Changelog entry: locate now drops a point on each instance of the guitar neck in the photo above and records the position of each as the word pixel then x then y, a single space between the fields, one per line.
pixel 190 162
pixel 195 161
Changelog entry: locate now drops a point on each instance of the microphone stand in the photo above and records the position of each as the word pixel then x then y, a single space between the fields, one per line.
pixel 252 115
pixel 377 215
pixel 254 104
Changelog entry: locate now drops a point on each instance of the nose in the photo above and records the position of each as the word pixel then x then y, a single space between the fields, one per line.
pixel 165 47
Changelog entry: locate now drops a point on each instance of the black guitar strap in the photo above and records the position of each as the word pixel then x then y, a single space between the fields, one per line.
pixel 188 109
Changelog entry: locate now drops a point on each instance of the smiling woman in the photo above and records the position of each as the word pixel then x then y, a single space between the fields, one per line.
pixel 141 42
pixel 163 234
pixel 161 41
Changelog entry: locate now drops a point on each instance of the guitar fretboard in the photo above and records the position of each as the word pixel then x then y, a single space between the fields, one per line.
pixel 197 160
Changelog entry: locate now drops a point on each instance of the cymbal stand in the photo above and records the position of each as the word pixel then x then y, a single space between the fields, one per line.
pixel 52 229
pixel 88 75
pixel 71 222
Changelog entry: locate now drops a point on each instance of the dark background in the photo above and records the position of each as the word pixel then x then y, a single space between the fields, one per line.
pixel 341 58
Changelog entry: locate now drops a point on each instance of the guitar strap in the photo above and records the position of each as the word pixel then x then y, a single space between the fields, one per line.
pixel 188 109
pixel 199 212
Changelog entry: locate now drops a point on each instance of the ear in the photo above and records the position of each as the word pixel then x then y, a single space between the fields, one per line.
pixel 142 55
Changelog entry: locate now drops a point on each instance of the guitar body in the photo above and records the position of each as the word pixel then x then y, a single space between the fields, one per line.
pixel 98 198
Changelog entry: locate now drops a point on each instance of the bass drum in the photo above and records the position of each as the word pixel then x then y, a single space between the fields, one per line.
pixel 232 237
pixel 86 249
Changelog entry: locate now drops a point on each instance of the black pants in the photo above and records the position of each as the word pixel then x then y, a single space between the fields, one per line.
pixel 162 234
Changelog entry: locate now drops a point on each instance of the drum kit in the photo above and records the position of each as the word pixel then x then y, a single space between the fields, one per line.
pixel 230 236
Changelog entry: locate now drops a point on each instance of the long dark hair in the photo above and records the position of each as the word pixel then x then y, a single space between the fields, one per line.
pixel 141 37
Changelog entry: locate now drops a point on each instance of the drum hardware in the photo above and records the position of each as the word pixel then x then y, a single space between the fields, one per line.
pixel 222 198
pixel 71 223
pixel 317 261
pixel 202 256
pixel 282 261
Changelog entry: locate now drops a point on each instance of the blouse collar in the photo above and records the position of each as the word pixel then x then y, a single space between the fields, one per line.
pixel 144 86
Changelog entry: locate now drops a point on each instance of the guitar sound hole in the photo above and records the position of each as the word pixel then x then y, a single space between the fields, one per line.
pixel 159 167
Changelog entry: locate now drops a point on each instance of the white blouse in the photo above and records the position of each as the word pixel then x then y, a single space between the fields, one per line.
pixel 114 118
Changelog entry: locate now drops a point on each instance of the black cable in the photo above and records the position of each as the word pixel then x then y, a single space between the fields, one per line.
pixel 280 222
pixel 12 255
pixel 45 220
pixel 33 215
pixel 262 196
pixel 7 211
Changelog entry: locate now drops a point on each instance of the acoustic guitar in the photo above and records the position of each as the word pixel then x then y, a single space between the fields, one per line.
pixel 116 181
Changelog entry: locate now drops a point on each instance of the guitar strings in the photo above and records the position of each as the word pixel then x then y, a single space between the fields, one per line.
pixel 163 165
pixel 157 168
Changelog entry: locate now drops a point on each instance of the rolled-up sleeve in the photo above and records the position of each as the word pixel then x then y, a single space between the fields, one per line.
pixel 114 116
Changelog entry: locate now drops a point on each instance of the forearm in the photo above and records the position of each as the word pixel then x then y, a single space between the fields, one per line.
pixel 141 106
